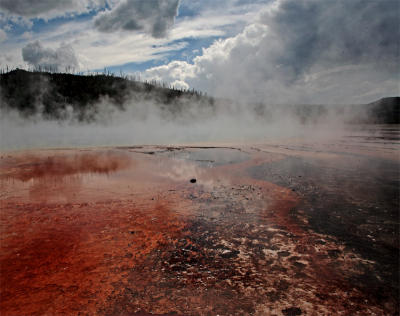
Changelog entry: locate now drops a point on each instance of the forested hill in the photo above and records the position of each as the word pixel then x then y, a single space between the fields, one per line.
pixel 52 93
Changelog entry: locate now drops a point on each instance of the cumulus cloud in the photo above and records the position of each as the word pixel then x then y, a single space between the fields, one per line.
pixel 178 84
pixel 154 17
pixel 302 51
pixel 61 58
pixel 3 36
pixel 47 8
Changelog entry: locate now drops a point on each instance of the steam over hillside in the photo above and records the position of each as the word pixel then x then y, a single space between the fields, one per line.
pixel 54 109
pixel 66 96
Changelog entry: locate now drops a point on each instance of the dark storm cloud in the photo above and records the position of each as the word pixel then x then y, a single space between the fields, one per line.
pixel 47 8
pixel 61 58
pixel 332 32
pixel 155 17
pixel 31 7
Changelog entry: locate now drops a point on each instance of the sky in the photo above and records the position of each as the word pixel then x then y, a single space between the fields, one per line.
pixel 270 51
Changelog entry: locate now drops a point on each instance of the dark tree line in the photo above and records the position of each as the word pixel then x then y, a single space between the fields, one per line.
pixel 52 92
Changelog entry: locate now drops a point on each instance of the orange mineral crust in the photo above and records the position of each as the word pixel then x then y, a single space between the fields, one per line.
pixel 124 231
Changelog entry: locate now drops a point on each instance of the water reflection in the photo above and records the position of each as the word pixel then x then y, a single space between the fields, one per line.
pixel 57 176
pixel 179 170
pixel 33 167
pixel 71 175
pixel 210 156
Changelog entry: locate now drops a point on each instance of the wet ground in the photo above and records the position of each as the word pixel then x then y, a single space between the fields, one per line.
pixel 295 227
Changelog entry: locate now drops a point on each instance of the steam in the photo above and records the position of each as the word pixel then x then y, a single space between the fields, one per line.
pixel 303 52
pixel 143 120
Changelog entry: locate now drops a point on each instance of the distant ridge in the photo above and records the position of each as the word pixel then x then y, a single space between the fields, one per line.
pixel 386 110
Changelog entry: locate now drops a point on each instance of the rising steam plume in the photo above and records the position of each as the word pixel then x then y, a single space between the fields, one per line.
pixel 62 110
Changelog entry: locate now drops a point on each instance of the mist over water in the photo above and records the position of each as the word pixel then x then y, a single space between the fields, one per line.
pixel 42 111
pixel 145 122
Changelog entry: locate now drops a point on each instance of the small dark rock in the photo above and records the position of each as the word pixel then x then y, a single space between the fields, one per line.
pixel 218 246
pixel 193 180
pixel 291 311
pixel 229 254
pixel 283 253
pixel 177 268
pixel 294 258
pixel 299 265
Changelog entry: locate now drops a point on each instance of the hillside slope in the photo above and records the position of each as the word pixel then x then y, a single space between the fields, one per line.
pixel 385 110
pixel 54 95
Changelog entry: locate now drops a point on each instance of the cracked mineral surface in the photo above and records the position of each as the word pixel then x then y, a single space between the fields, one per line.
pixel 300 227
